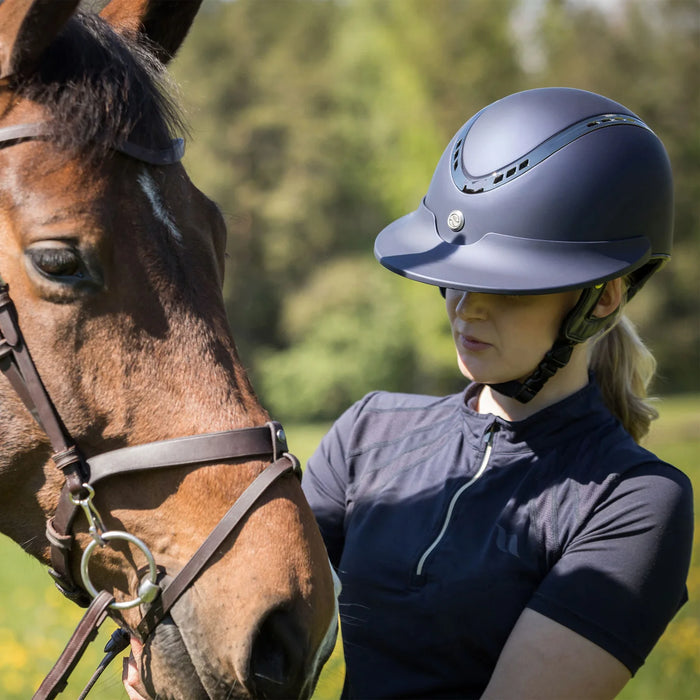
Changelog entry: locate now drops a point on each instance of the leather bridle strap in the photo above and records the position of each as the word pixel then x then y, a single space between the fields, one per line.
pixel 210 447
pixel 84 633
pixel 38 131
pixel 196 449
pixel 263 442
pixel 186 576
pixel 15 361
pixel 17 364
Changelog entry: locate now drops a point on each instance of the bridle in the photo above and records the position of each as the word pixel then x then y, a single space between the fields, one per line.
pixel 82 476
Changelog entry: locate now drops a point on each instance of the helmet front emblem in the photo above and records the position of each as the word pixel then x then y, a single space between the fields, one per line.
pixel 455 220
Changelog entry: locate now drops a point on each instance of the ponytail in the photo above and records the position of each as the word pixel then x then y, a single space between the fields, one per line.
pixel 624 367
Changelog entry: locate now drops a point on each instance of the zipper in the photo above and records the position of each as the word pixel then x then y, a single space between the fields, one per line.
pixel 482 468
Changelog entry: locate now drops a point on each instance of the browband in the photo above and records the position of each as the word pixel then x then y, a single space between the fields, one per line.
pixel 169 155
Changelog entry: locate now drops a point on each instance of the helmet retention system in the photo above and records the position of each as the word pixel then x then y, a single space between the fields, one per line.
pixel 544 191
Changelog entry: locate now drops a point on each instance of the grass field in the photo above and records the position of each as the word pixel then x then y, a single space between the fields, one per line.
pixel 35 620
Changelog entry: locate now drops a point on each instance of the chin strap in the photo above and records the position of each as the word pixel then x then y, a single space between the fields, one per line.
pixel 578 325
pixel 556 358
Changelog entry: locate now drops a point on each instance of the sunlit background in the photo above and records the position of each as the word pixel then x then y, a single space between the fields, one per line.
pixel 316 122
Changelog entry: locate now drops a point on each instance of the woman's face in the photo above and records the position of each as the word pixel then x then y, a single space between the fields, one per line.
pixel 501 338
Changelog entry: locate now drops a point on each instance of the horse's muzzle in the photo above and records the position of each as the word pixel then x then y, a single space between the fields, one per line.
pixel 275 662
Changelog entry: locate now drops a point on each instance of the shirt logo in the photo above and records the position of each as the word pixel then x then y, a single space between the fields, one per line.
pixel 506 544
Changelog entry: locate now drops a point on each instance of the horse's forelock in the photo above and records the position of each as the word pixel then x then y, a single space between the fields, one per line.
pixel 101 88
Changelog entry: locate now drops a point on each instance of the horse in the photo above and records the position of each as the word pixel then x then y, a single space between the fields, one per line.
pixel 128 426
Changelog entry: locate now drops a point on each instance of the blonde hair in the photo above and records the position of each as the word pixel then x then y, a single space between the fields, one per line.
pixel 624 368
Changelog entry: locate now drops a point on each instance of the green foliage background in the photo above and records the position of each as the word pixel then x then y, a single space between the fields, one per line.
pixel 317 122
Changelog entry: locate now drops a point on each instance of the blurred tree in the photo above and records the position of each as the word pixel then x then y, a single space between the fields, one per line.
pixel 411 73
pixel 346 329
pixel 256 77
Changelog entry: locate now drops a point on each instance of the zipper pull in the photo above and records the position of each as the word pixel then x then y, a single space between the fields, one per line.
pixel 490 433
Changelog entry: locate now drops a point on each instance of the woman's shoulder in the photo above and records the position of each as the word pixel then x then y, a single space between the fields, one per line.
pixel 627 477
pixel 648 474
pixel 603 469
pixel 630 460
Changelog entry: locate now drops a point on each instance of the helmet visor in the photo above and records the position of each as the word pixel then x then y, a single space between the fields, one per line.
pixel 500 264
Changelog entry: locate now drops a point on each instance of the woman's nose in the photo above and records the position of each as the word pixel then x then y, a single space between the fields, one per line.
pixel 471 305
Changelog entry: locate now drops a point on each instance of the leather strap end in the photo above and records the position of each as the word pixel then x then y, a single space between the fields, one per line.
pixel 86 631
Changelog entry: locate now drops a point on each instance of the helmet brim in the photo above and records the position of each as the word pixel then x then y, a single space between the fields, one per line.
pixel 497 263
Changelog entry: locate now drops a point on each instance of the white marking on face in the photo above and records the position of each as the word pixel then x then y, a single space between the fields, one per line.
pixel 150 189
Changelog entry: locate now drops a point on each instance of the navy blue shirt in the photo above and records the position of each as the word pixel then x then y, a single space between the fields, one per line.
pixel 445 524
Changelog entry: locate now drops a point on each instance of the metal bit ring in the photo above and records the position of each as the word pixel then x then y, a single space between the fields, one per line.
pixel 118 535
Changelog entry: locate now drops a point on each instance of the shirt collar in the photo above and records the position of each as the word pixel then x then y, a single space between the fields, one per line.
pixel 578 413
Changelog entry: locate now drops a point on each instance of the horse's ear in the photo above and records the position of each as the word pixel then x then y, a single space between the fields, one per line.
pixel 26 29
pixel 164 22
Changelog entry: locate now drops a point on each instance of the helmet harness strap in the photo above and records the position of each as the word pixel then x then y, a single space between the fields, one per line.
pixel 555 358
pixel 578 325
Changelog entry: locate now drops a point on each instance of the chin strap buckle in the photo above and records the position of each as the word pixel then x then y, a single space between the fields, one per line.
pixel 556 358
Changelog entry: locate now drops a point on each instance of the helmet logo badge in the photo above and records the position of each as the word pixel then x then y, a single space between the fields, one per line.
pixel 455 220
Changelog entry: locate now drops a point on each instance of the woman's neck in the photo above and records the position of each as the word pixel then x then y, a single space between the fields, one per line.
pixel 565 382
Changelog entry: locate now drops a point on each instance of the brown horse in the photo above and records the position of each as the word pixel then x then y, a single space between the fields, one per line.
pixel 115 261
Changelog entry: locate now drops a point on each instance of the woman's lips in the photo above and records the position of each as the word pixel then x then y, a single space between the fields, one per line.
pixel 468 342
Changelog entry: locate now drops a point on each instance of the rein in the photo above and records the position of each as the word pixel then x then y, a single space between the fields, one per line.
pixel 83 475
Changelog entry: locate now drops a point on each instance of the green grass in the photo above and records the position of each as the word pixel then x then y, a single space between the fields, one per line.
pixel 35 620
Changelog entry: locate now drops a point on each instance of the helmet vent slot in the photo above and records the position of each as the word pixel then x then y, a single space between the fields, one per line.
pixel 474 185
pixel 455 155
pixel 610 118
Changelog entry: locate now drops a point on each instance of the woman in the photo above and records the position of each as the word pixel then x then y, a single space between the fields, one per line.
pixel 514 540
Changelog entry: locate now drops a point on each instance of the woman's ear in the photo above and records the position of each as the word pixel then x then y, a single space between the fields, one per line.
pixel 610 299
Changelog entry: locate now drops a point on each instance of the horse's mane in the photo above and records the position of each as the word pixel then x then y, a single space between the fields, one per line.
pixel 101 88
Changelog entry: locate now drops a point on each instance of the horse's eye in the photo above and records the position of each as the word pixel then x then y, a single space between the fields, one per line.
pixel 57 262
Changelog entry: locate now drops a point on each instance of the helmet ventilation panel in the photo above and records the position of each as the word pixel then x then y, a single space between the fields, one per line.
pixel 470 184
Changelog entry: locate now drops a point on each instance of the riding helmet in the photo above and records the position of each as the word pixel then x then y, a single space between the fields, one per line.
pixel 543 191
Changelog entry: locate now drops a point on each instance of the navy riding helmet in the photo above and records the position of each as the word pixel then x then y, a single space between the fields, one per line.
pixel 543 191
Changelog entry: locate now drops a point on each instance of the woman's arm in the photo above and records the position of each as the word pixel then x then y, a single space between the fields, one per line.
pixel 543 659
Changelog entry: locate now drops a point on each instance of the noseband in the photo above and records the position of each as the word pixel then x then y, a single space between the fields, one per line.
pixel 82 476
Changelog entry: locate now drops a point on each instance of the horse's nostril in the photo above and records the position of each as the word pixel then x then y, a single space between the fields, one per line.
pixel 277 657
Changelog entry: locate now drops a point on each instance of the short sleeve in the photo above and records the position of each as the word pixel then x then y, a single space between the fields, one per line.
pixel 621 578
